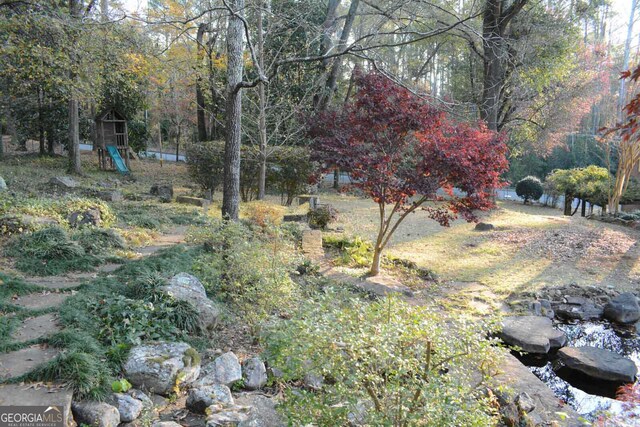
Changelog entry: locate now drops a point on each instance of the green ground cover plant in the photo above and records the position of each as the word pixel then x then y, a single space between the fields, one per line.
pixel 54 250
pixel 384 363
pixel 57 209
pixel 351 250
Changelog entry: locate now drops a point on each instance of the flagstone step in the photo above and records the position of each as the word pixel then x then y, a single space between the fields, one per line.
pixel 53 397
pixel 36 327
pixel 20 362
pixel 40 300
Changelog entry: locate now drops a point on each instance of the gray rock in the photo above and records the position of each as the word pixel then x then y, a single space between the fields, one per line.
pixel 89 217
pixel 534 334
pixel 195 201
pixel 199 399
pixel 254 373
pixel 313 381
pixel 185 287
pixel 110 196
pixel 3 184
pixel 236 416
pixel 599 363
pixel 357 416
pixel 163 191
pixel 623 309
pixel 128 407
pixel 263 410
pixel 162 366
pixel 542 308
pixel 483 226
pixel 63 182
pixel 97 414
pixel 524 402
pixel 147 403
pixel 588 311
pixel 223 370
pixel 165 424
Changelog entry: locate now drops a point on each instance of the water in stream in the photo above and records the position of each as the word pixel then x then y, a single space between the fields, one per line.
pixel 587 396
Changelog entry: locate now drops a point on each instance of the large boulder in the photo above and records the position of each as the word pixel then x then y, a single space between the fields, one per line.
pixel 160 367
pixel 90 216
pixel 97 414
pixel 185 287
pixel 199 399
pixel 224 369
pixel 623 309
pixel 163 191
pixel 129 407
pixel 254 373
pixel 599 363
pixel 63 182
pixel 484 226
pixel 533 334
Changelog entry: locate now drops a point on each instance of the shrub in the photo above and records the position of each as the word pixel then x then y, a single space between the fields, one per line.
pixel 263 213
pixel 248 270
pixel 288 169
pixel 322 216
pixel 205 163
pixel 385 363
pixel 529 188
pixel 292 172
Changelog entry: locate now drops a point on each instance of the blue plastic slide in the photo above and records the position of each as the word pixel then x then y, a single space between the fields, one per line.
pixel 117 159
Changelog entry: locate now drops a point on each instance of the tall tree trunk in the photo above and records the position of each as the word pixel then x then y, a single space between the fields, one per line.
pixel 41 138
pixel 231 185
pixel 262 112
pixel 202 125
pixel 74 138
pixel 496 18
pixel 74 121
pixel 332 78
pixel 622 91
pixel 50 131
pixel 178 135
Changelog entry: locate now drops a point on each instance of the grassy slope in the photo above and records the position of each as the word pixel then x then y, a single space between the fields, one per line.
pixel 532 247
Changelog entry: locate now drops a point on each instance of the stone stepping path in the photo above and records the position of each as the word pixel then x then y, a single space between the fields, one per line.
pixel 57 282
pixel 57 290
pixel 175 237
pixel 41 300
pixel 36 327
pixel 22 361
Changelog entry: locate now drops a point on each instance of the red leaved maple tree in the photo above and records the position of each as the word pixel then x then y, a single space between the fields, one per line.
pixel 406 154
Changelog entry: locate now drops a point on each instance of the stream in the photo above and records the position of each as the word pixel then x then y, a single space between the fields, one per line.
pixel 587 396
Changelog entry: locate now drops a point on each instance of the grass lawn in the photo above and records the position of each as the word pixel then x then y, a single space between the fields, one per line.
pixel 532 247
